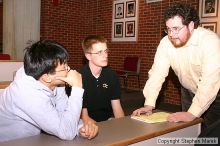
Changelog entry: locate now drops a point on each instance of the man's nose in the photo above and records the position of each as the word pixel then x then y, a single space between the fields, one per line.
pixel 172 34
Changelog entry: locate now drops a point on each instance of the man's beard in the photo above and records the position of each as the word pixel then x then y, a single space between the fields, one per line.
pixel 177 42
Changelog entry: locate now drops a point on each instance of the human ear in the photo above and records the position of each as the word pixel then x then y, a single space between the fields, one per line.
pixel 88 56
pixel 46 78
pixel 191 26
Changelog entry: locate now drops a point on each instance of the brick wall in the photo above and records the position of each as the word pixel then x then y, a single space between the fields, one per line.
pixel 64 22
pixel 70 21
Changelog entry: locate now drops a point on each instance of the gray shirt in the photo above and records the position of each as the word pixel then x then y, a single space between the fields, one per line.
pixel 27 107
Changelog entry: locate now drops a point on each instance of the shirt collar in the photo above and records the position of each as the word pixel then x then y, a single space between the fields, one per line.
pixel 194 39
pixel 29 80
pixel 89 72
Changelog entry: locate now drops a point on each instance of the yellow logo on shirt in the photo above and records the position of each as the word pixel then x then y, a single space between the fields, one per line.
pixel 105 85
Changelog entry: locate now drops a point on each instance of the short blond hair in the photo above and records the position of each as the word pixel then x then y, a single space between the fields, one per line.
pixel 90 40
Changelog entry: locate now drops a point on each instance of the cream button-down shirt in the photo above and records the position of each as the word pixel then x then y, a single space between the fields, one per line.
pixel 197 66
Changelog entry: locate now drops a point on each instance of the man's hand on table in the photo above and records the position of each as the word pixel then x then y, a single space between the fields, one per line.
pixel 89 130
pixel 181 117
pixel 147 110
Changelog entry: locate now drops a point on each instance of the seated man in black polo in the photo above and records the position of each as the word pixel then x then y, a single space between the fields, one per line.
pixel 101 99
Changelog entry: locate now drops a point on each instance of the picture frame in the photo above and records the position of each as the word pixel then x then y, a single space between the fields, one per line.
pixel 118 29
pixel 129 28
pixel 151 1
pixel 125 26
pixel 130 9
pixel 119 10
pixel 209 8
pixel 210 25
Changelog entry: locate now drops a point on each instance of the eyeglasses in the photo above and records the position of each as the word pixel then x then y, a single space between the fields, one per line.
pixel 66 68
pixel 175 30
pixel 101 52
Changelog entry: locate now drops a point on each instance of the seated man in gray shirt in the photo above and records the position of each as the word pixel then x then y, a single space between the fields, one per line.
pixel 36 99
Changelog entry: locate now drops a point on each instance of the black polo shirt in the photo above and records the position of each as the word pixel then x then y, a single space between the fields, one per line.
pixel 98 92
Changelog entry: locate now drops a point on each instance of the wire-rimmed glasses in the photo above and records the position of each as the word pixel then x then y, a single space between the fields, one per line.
pixel 175 30
pixel 100 53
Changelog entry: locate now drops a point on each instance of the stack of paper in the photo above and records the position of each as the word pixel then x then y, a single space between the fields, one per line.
pixel 153 118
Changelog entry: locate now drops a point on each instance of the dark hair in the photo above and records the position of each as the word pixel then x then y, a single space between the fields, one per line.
pixel 210 1
pixel 185 11
pixel 43 57
pixel 90 40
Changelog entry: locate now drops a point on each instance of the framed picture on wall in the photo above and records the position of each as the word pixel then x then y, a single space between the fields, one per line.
pixel 124 20
pixel 209 8
pixel 119 10
pixel 129 28
pixel 118 29
pixel 151 1
pixel 210 25
pixel 130 9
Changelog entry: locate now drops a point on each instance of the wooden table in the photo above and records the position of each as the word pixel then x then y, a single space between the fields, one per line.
pixel 118 132
pixel 4 84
